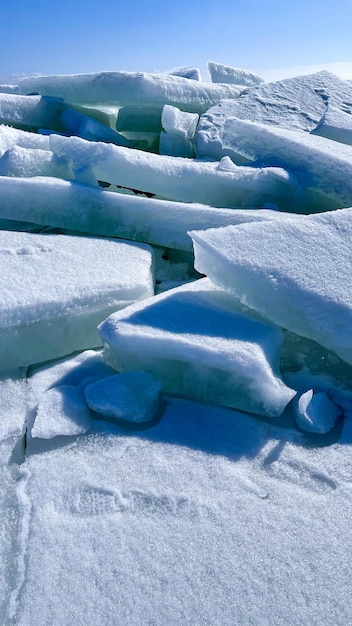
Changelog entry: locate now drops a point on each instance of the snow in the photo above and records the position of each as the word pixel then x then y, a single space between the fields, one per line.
pixel 61 411
pixel 132 397
pixel 196 469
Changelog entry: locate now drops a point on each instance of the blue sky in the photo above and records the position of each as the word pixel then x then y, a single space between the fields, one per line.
pixel 40 36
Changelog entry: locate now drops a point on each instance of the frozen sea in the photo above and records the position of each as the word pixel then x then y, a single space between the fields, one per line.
pixel 175 350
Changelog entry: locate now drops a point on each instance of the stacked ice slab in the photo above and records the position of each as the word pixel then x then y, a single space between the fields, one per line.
pixel 151 158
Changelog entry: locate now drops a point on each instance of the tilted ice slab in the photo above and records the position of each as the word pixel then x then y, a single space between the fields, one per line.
pixel 31 112
pixel 74 206
pixel 10 137
pixel 200 344
pixel 217 184
pixel 77 123
pixel 56 289
pixel 336 125
pixel 320 164
pixel 295 103
pixel 234 75
pixel 130 88
pixel 62 411
pixel 26 162
pixel 296 272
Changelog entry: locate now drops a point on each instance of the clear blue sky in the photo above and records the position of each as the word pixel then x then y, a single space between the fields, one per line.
pixel 42 36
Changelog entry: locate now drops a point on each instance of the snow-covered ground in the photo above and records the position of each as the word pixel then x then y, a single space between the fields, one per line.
pixel 176 355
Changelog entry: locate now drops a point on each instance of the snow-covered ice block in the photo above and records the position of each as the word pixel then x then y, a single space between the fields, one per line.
pixel 31 112
pixel 320 164
pixel 88 128
pixel 295 272
pixel 192 73
pixel 199 343
pixel 234 75
pixel 56 289
pixel 217 184
pixel 179 122
pixel 74 206
pixel 295 103
pixel 336 125
pixel 11 137
pixel 130 88
pixel 27 162
pixel 315 412
pixel 62 411
pixel 179 127
pixel 132 396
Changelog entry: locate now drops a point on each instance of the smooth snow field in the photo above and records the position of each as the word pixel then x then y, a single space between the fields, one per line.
pixel 176 350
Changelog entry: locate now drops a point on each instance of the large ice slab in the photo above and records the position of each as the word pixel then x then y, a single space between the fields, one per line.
pixel 87 127
pixel 74 206
pixel 320 164
pixel 130 88
pixel 295 103
pixel 234 75
pixel 295 272
pixel 200 344
pixel 56 289
pixel 217 184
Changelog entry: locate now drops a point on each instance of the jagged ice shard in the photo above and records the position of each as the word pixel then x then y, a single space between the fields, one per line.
pixel 296 272
pixel 56 289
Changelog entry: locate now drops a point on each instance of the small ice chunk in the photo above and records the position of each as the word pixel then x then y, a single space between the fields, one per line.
pixel 192 73
pixel 336 125
pixel 27 162
pixel 315 412
pixel 61 411
pixel 179 122
pixel 199 343
pixel 133 396
pixel 234 75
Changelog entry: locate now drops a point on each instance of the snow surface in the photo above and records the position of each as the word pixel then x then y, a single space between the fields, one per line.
pixel 149 507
